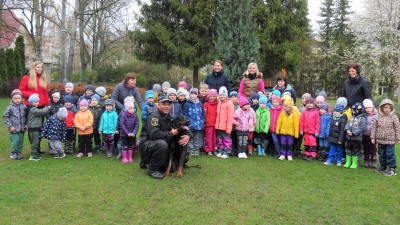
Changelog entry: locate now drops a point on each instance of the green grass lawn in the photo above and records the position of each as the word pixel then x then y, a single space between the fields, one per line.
pixel 247 191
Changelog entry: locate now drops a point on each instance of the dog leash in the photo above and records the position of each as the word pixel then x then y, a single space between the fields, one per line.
pixel 196 166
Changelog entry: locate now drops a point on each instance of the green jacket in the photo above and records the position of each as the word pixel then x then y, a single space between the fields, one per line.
pixel 263 120
pixel 35 118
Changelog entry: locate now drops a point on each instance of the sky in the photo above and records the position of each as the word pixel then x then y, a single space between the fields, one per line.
pixel 314 10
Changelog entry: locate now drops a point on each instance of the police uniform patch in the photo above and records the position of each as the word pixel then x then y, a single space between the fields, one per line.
pixel 154 121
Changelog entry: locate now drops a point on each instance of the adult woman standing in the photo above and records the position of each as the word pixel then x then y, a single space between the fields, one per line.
pixel 35 82
pixel 251 82
pixel 356 88
pixel 217 78
pixel 283 86
pixel 124 89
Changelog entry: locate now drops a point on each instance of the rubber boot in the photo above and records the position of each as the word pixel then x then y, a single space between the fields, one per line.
pixel 259 152
pixel 354 164
pixel 348 161
pixel 263 151
pixel 124 156
pixel 130 153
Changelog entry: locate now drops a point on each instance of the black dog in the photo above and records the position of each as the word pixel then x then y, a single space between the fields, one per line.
pixel 178 154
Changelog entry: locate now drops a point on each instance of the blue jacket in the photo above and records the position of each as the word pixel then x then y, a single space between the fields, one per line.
pixel 108 122
pixel 54 129
pixel 147 109
pixel 176 109
pixel 325 122
pixel 195 114
pixel 216 80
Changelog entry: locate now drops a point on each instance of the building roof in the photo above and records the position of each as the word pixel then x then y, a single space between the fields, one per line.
pixel 9 28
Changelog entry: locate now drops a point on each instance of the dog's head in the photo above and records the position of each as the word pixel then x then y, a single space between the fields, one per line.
pixel 181 123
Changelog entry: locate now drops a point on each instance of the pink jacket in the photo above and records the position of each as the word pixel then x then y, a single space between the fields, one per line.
pixel 224 116
pixel 309 121
pixel 244 118
pixel 274 116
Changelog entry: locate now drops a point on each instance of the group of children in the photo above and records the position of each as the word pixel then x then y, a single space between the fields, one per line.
pixel 220 122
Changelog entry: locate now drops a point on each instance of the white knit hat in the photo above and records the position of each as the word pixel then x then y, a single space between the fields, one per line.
pixel 368 103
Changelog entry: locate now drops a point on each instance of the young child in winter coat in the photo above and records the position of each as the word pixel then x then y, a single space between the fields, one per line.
pixel 69 91
pixel 386 133
pixel 288 129
pixel 176 109
pixel 262 125
pixel 235 100
pixel 210 111
pixel 325 120
pixel 194 111
pixel 242 119
pixel 96 110
pixel 369 149
pixel 272 94
pixel 182 86
pixel 275 111
pixel 224 123
pixel 129 124
pixel 203 93
pixel 165 87
pixel 56 103
pixel 309 128
pixel 108 126
pixel 84 128
pixel 15 120
pixel 55 131
pixel 254 104
pixel 354 134
pixel 69 122
pixel 35 124
pixel 149 106
pixel 336 136
pixel 89 91
pixel 182 96
pixel 303 102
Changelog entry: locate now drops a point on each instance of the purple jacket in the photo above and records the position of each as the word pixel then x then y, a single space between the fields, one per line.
pixel 129 123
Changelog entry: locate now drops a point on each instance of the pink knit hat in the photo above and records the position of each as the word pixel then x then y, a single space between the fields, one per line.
pixel 83 102
pixel 276 98
pixel 320 99
pixel 183 84
pixel 213 92
pixel 243 101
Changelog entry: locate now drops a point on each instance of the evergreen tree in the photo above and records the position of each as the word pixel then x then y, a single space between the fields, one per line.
pixel 10 61
pixel 3 67
pixel 177 33
pixel 18 68
pixel 20 47
pixel 237 43
pixel 342 32
pixel 282 30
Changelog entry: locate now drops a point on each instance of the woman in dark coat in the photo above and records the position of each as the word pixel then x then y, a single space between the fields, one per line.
pixel 356 88
pixel 283 86
pixel 124 89
pixel 217 78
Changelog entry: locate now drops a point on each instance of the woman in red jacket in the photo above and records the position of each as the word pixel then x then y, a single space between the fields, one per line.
pixel 35 82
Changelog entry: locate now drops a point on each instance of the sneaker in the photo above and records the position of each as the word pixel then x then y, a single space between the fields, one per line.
pixel 380 169
pixel 55 155
pixel 339 163
pixel 329 163
pixel 240 155
pixel 34 158
pixel 19 156
pixel 290 158
pixel 90 155
pixel 390 172
pixel 244 156
pixel 210 154
pixel 282 157
pixel 197 152
pixel 373 165
pixel 192 154
pixel 61 155
pixel 80 155
pixel 224 156
pixel 14 156
pixel 366 164
pixel 310 158
pixel 219 155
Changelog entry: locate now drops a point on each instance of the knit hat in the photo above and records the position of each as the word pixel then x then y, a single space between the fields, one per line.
pixel 16 92
pixel 95 96
pixel 149 94
pixel 289 104
pixel 183 84
pixel 287 93
pixel 233 93
pixel 243 101
pixel 320 99
pixel 277 93
pixel 83 102
pixel 171 91
pixel 339 108
pixel 69 84
pixel 156 88
pixel 324 106
pixel 255 96
pixel 276 98
pixel 285 98
pixel 56 94
pixel 89 87
pixel 194 91
pixel 342 101
pixel 129 105
pixel 68 98
pixel 129 99
pixel 263 100
pixel 368 103
pixel 213 92
pixel 166 84
pixel 309 100
pixel 182 92
pixel 101 91
pixel 357 109
pixel 62 113
pixel 33 98
pixel 223 91
pixel 109 101
pixel 323 94
pixel 306 95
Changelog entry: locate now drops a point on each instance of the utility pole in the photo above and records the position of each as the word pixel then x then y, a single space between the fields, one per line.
pixel 63 75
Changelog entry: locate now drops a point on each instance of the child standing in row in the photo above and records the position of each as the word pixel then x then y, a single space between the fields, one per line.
pixel 262 125
pixel 69 122
pixel 108 126
pixel 386 133
pixel 149 106
pixel 176 109
pixel 288 128
pixel 56 103
pixel 224 123
pixel 336 136
pixel 325 120
pixel 242 119
pixel 89 91
pixel 368 147
pixel 203 93
pixel 84 128
pixel 309 128
pixel 275 111
pixel 210 110
pixel 129 124
pixel 54 130
pixel 15 120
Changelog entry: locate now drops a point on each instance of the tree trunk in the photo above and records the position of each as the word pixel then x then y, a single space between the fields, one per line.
pixel 71 54
pixel 82 45
pixel 38 30
pixel 63 39
pixel 195 76
pixel 398 64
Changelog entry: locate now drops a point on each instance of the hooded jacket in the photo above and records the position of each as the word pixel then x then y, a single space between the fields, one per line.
pixel 249 84
pixel 35 118
pixel 336 129
pixel 176 109
pixel 109 121
pixel 244 118
pixel 84 119
pixel 309 121
pixel 54 129
pixel 325 121
pixel 274 116
pixel 288 124
pixel 210 110
pixel 224 116
pixel 371 117
pixel 263 120
pixel 14 116
pixel 386 128
pixel 195 113
pixel 356 125
pixel 129 123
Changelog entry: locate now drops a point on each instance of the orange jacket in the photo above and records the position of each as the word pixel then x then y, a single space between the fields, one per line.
pixel 224 116
pixel 84 119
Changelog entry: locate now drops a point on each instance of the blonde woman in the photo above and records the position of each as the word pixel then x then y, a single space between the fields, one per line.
pixel 251 82
pixel 35 82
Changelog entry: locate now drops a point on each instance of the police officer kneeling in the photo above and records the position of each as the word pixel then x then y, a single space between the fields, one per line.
pixel 156 137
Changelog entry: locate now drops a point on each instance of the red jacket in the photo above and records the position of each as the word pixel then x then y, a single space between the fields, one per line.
pixel 210 109
pixel 274 116
pixel 309 121
pixel 26 91
pixel 69 121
